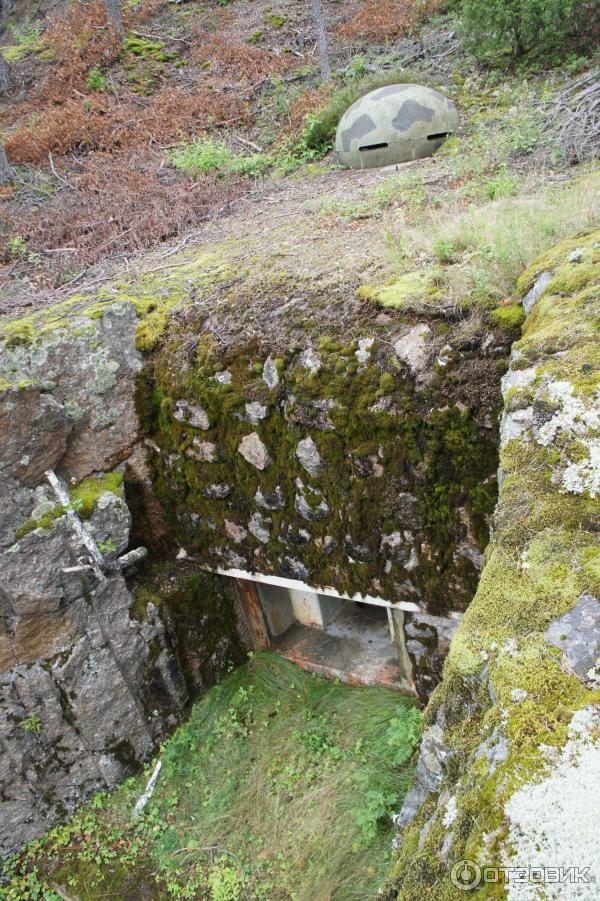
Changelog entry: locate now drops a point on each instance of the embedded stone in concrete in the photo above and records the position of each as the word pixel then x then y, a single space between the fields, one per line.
pixel 254 451
pixel 308 456
pixel 191 414
pixel 363 354
pixel 203 451
pixel 413 348
pixel 536 292
pixel 327 544
pixel 273 500
pixel 292 535
pixel 395 545
pixel 577 634
pixel 216 492
pixel 310 359
pixel 255 412
pixel 311 512
pixel 259 526
pixel 234 531
pixel 270 374
pixel 293 569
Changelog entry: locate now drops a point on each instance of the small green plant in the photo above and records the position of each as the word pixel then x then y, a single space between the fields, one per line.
pixel 26 35
pixel 198 157
pixel 96 81
pixel 31 724
pixel 275 20
pixel 17 246
pixel 357 67
pixel 138 46
pixel 225 883
pixel 498 186
pixel 107 547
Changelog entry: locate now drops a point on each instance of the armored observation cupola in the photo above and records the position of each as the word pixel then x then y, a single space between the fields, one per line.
pixel 394 124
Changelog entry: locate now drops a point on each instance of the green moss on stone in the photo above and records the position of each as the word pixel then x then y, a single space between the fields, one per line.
pixel 86 494
pixel 414 289
pixel 509 318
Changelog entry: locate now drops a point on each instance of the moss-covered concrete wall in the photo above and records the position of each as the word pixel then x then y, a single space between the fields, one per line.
pixel 510 757
pixel 341 460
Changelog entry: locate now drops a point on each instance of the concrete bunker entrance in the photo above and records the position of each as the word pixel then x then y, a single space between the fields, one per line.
pixel 359 639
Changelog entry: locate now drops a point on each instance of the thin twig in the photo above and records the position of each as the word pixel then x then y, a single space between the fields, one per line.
pixel 55 173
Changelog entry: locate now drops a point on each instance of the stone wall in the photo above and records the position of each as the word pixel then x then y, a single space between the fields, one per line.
pixel 508 769
pixel 364 461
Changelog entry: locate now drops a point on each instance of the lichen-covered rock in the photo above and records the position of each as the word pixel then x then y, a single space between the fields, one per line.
pixel 35 431
pixel 577 634
pixel 87 367
pixel 518 702
pixel 90 679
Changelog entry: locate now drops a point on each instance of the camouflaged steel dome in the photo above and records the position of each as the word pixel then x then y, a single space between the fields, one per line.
pixel 394 124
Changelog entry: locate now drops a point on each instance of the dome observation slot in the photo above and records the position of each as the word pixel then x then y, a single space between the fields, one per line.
pixel 381 146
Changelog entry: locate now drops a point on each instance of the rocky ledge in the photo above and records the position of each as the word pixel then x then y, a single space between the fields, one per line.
pixel 508 769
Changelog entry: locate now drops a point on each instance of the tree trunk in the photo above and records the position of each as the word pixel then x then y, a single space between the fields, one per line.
pixel 6 173
pixel 113 14
pixel 321 35
pixel 6 7
pixel 4 75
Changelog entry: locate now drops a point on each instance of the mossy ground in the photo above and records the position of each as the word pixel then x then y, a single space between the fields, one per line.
pixel 280 786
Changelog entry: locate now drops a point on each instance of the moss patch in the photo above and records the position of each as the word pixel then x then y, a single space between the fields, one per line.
pixel 86 494
pixel 412 290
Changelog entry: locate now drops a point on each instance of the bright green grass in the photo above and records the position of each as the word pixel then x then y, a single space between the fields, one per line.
pixel 279 786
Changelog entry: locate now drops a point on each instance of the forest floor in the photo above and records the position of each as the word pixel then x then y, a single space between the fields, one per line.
pixel 194 131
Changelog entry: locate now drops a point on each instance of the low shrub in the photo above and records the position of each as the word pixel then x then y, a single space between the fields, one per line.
pixel 116 205
pixel 238 58
pixel 544 28
pixel 102 123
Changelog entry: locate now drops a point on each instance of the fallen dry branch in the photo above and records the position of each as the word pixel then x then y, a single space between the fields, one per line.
pixel 575 118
